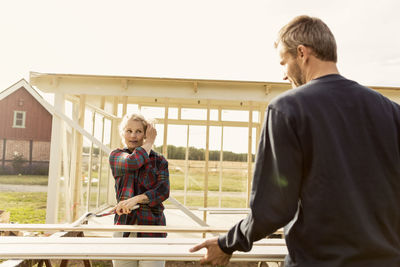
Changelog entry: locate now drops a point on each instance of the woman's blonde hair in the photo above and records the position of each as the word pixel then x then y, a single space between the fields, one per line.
pixel 133 117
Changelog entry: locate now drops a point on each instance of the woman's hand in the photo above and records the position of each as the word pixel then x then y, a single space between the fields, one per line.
pixel 125 206
pixel 151 134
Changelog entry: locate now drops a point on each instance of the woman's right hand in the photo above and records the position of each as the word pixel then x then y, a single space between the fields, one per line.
pixel 151 134
pixel 125 206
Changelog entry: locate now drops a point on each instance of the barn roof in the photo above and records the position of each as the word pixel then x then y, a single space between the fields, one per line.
pixel 23 83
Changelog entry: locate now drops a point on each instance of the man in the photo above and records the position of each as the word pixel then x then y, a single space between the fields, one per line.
pixel 328 164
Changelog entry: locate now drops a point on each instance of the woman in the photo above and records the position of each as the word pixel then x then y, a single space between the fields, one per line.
pixel 141 178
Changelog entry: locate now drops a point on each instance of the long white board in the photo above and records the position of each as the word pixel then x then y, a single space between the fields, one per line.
pixel 114 228
pixel 126 248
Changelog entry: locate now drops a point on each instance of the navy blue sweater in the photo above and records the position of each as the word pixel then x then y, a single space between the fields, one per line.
pixel 328 167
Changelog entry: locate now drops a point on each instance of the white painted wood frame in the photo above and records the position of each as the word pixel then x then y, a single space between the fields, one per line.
pixel 127 248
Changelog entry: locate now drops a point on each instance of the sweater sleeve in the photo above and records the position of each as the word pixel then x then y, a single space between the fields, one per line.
pixel 276 185
pixel 122 162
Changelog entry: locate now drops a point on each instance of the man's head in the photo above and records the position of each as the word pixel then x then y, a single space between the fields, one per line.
pixel 310 32
pixel 304 35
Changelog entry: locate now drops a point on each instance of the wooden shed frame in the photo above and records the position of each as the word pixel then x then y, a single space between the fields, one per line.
pixel 102 95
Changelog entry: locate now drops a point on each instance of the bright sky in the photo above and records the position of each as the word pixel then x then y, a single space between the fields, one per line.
pixel 207 39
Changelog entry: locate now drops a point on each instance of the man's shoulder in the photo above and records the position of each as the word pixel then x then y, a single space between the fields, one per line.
pixel 311 91
pixel 287 99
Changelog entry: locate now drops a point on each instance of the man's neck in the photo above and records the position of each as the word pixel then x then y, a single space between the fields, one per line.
pixel 318 68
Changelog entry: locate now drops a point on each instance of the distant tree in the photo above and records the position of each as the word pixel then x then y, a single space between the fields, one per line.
pixel 175 152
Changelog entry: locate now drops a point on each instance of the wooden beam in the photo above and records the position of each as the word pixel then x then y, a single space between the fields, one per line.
pixel 127 248
pixel 100 171
pixel 221 160
pixel 112 228
pixel 165 137
pixel 207 153
pixel 186 181
pixel 124 105
pixel 66 151
pixel 90 170
pixel 249 156
pixel 55 160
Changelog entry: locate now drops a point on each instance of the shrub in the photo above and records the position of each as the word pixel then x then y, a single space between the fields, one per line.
pixel 18 162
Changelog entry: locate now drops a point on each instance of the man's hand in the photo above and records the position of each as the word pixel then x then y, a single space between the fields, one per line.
pixel 214 255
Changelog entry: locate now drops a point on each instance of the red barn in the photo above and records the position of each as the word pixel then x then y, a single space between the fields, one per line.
pixel 25 130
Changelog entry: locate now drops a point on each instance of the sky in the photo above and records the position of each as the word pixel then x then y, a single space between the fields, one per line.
pixel 207 39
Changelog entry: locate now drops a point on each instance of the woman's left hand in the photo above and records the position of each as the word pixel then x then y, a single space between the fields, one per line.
pixel 125 206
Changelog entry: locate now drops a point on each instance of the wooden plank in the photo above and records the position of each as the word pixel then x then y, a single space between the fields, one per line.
pixel 247 210
pixel 249 155
pixel 55 157
pixel 226 210
pixel 206 170
pixel 119 240
pixel 126 248
pixel 112 228
pixel 115 228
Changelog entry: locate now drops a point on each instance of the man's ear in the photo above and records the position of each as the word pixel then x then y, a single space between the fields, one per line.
pixel 303 52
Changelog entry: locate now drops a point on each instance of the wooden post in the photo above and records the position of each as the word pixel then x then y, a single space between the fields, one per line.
pixel 100 165
pixel 206 165
pixel 124 105
pixel 89 184
pixel 249 156
pixel 186 166
pixel 55 161
pixel 115 143
pixel 102 102
pixel 66 174
pixel 165 140
pixel 77 181
pixel 221 160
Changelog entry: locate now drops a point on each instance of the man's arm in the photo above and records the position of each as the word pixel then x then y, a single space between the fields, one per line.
pixel 276 185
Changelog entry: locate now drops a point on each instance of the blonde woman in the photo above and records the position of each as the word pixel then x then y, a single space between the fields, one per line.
pixel 141 178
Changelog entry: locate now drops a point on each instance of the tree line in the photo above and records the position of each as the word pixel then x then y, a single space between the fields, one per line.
pixel 175 152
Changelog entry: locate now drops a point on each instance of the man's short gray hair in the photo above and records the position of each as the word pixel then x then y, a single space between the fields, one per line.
pixel 311 32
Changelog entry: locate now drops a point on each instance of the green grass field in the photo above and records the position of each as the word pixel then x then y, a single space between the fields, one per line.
pixel 226 202
pixel 24 207
pixel 231 182
pixel 24 179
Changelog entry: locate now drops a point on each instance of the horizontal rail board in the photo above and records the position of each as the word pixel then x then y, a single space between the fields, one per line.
pixel 114 228
pixel 127 248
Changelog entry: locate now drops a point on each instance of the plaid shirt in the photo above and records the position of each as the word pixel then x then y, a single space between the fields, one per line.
pixel 138 173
